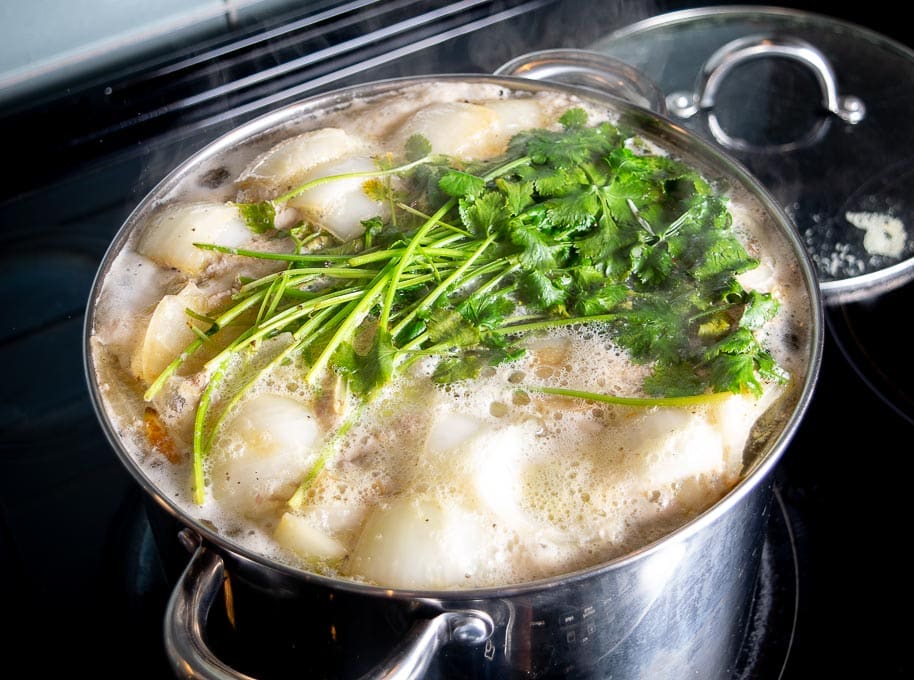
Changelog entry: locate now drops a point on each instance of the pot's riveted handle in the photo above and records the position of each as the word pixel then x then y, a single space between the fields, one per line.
pixel 684 105
pixel 411 658
pixel 589 69
pixel 186 615
pixel 199 585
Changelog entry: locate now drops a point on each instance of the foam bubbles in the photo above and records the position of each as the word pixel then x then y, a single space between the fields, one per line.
pixel 473 484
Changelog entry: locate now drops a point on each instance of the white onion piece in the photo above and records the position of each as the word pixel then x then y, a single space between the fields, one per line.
pixel 169 332
pixel 673 445
pixel 680 459
pixel 734 417
pixel 760 278
pixel 262 452
pixel 283 166
pixel 482 464
pixel 298 535
pixel 515 115
pixel 501 473
pixel 418 543
pixel 450 430
pixel 169 238
pixel 340 205
pixel 456 129
pixel 497 472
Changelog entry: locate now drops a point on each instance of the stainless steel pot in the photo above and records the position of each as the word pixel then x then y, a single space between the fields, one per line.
pixel 676 608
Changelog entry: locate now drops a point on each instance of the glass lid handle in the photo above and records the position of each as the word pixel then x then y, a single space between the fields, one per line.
pixel 848 108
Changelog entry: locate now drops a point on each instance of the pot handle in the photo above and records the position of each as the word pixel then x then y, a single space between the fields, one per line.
pixel 589 69
pixel 200 583
pixel 186 615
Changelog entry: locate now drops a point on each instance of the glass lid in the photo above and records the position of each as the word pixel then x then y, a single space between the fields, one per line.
pixel 819 110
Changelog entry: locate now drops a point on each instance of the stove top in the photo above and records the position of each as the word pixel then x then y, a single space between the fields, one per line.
pixel 83 584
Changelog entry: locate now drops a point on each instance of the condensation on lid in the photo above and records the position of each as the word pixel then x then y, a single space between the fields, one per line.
pixel 759 82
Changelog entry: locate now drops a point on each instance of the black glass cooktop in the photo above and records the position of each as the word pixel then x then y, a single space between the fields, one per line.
pixel 83 583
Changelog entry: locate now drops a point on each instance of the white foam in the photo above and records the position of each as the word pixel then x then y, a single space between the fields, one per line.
pixel 548 484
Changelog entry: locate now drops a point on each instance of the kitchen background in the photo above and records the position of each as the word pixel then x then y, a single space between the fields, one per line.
pixel 99 99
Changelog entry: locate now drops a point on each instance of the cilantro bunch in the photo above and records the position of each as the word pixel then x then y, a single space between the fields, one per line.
pixel 575 226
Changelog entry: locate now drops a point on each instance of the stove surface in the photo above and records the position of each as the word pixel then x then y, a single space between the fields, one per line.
pixel 82 582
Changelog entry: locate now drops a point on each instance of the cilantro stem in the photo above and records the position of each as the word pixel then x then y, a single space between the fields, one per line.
pixel 406 257
pixel 347 175
pixel 673 402
pixel 551 323
pixel 418 213
pixel 199 429
pixel 382 255
pixel 298 341
pixel 346 328
pixel 327 451
pixel 268 255
pixel 430 299
pixel 505 168
pixel 220 322
pixel 284 318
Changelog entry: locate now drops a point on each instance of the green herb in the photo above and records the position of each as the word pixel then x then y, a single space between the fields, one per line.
pixel 571 226
pixel 258 216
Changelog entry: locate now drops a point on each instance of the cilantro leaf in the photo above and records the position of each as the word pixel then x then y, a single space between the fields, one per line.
pixel 259 217
pixel 576 210
pixel 760 308
pixel 651 264
pixel 738 360
pixel 458 184
pixel 674 380
pixel 452 369
pixel 447 326
pixel 724 254
pixel 541 292
pixel 538 251
pixel 487 310
pixel 518 195
pixel 417 146
pixel 573 118
pixel 603 300
pixel 652 331
pixel 369 372
pixel 484 212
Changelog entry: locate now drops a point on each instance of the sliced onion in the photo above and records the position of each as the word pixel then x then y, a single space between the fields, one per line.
pixel 171 234
pixel 168 332
pixel 262 453
pixel 283 166
pixel 340 205
pixel 454 128
pixel 417 542
pixel 301 537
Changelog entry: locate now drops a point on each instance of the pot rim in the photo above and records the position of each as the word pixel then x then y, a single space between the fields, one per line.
pixel 650 121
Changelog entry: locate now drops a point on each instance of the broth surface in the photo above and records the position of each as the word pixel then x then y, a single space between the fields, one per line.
pixel 417 482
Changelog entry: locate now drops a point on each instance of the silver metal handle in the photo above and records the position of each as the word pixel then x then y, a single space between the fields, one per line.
pixel 686 104
pixel 848 108
pixel 198 587
pixel 186 616
pixel 588 69
pixel 411 659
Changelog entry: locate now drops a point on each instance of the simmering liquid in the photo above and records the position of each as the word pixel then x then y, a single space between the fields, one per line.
pixel 435 411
